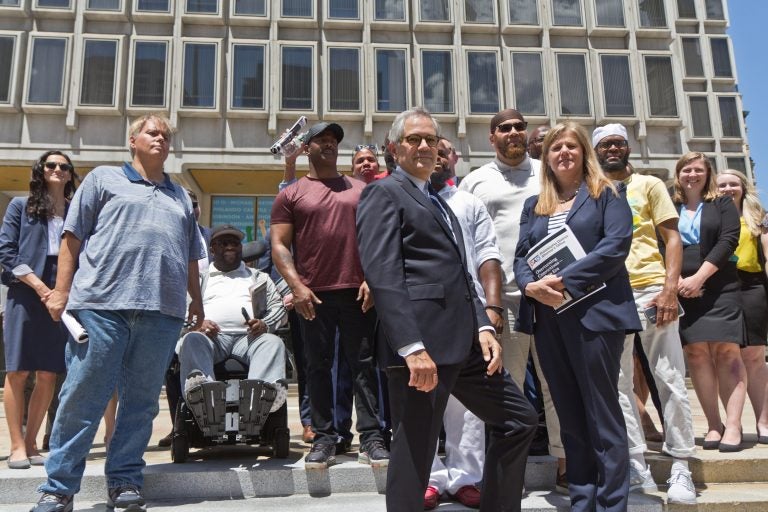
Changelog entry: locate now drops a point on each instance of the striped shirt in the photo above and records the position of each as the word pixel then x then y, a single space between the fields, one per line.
pixel 556 221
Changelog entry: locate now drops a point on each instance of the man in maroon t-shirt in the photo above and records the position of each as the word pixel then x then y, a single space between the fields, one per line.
pixel 314 247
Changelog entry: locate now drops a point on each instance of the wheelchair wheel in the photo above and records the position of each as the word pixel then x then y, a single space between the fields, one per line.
pixel 281 443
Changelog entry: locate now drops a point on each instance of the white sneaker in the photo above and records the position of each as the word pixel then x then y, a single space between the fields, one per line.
pixel 195 378
pixel 641 480
pixel 681 489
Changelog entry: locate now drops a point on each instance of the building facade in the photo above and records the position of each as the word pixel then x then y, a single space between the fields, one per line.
pixel 232 74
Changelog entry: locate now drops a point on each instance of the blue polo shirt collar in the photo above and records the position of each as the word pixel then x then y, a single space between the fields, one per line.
pixel 134 176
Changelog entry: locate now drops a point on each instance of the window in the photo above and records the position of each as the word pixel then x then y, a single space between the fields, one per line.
pixel 652 13
pixel 103 5
pixel 344 79
pixel 297 8
pixel 617 85
pixel 566 12
pixel 297 75
pixel 437 80
pixel 721 57
pixel 479 11
pixel 202 6
pixel 391 80
pixel 528 83
pixel 53 4
pixel 435 10
pixel 661 86
pixel 609 13
pixel 7 51
pixel 200 64
pixel 702 127
pixel 484 87
pixel 736 163
pixel 46 76
pixel 714 9
pixel 729 116
pixel 343 9
pixel 692 56
pixel 250 8
pixel 99 67
pixel 686 9
pixel 389 10
pixel 9 3
pixel 523 12
pixel 574 89
pixel 247 76
pixel 149 63
pixel 153 5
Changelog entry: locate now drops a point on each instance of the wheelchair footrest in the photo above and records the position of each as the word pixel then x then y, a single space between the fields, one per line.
pixel 256 397
pixel 209 406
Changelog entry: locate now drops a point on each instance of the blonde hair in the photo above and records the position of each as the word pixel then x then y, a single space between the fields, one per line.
pixel 710 187
pixel 594 178
pixel 751 209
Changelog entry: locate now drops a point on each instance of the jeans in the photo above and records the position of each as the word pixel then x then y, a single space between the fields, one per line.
pixel 128 350
pixel 665 355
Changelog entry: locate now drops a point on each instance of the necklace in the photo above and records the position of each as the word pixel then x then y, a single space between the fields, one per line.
pixel 569 198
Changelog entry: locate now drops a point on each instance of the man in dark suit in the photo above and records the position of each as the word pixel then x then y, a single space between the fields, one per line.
pixel 433 336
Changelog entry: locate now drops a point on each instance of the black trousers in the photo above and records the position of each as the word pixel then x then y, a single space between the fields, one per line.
pixel 340 309
pixel 416 421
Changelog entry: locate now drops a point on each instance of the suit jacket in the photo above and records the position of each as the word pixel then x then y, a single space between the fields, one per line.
pixel 719 236
pixel 416 271
pixel 23 241
pixel 603 226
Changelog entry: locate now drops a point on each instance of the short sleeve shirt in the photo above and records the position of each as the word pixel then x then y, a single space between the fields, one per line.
pixel 651 205
pixel 138 238
pixel 322 212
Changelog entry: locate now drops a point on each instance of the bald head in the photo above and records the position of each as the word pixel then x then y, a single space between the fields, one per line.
pixel 536 141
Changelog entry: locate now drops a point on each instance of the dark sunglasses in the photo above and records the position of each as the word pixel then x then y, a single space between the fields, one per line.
pixel 608 144
pixel 520 126
pixel 374 149
pixel 51 166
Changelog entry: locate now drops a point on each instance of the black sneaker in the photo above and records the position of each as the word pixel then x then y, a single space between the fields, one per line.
pixel 374 453
pixel 126 497
pixel 320 456
pixel 343 446
pixel 50 502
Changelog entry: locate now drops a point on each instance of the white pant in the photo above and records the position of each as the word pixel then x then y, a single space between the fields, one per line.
pixel 464 450
pixel 664 351
pixel 515 347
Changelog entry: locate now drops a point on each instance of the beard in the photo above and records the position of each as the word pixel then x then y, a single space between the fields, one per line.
pixel 515 151
pixel 618 165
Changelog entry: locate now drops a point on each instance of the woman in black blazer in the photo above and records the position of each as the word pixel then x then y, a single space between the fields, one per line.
pixel 29 247
pixel 580 348
pixel 712 329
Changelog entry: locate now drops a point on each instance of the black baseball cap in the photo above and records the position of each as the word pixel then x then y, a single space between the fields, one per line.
pixel 226 229
pixel 319 128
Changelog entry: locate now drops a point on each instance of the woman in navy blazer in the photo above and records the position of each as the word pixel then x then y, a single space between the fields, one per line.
pixel 29 246
pixel 580 347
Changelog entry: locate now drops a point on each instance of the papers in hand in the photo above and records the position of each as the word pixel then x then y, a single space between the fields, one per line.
pixel 73 326
pixel 553 254
pixel 259 299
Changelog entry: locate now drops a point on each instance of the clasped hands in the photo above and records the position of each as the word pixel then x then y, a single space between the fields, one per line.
pixel 256 327
pixel 548 290
pixel 424 370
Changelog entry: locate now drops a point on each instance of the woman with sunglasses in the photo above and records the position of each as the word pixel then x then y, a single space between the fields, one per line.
pixel 34 343
pixel 365 163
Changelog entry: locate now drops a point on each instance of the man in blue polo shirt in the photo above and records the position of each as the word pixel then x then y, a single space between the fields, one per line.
pixel 128 257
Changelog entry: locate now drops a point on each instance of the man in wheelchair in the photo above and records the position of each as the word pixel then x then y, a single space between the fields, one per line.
pixel 243 310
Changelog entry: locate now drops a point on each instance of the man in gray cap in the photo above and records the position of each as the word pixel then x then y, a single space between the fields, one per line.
pixel 654 284
pixel 503 185
pixel 314 247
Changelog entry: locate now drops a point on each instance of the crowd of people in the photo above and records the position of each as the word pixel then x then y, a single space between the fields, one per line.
pixel 412 295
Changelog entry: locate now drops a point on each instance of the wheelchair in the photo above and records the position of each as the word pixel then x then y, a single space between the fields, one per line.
pixel 231 410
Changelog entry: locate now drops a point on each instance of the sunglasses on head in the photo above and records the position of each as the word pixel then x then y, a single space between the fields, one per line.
pixel 519 126
pixel 374 149
pixel 51 166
